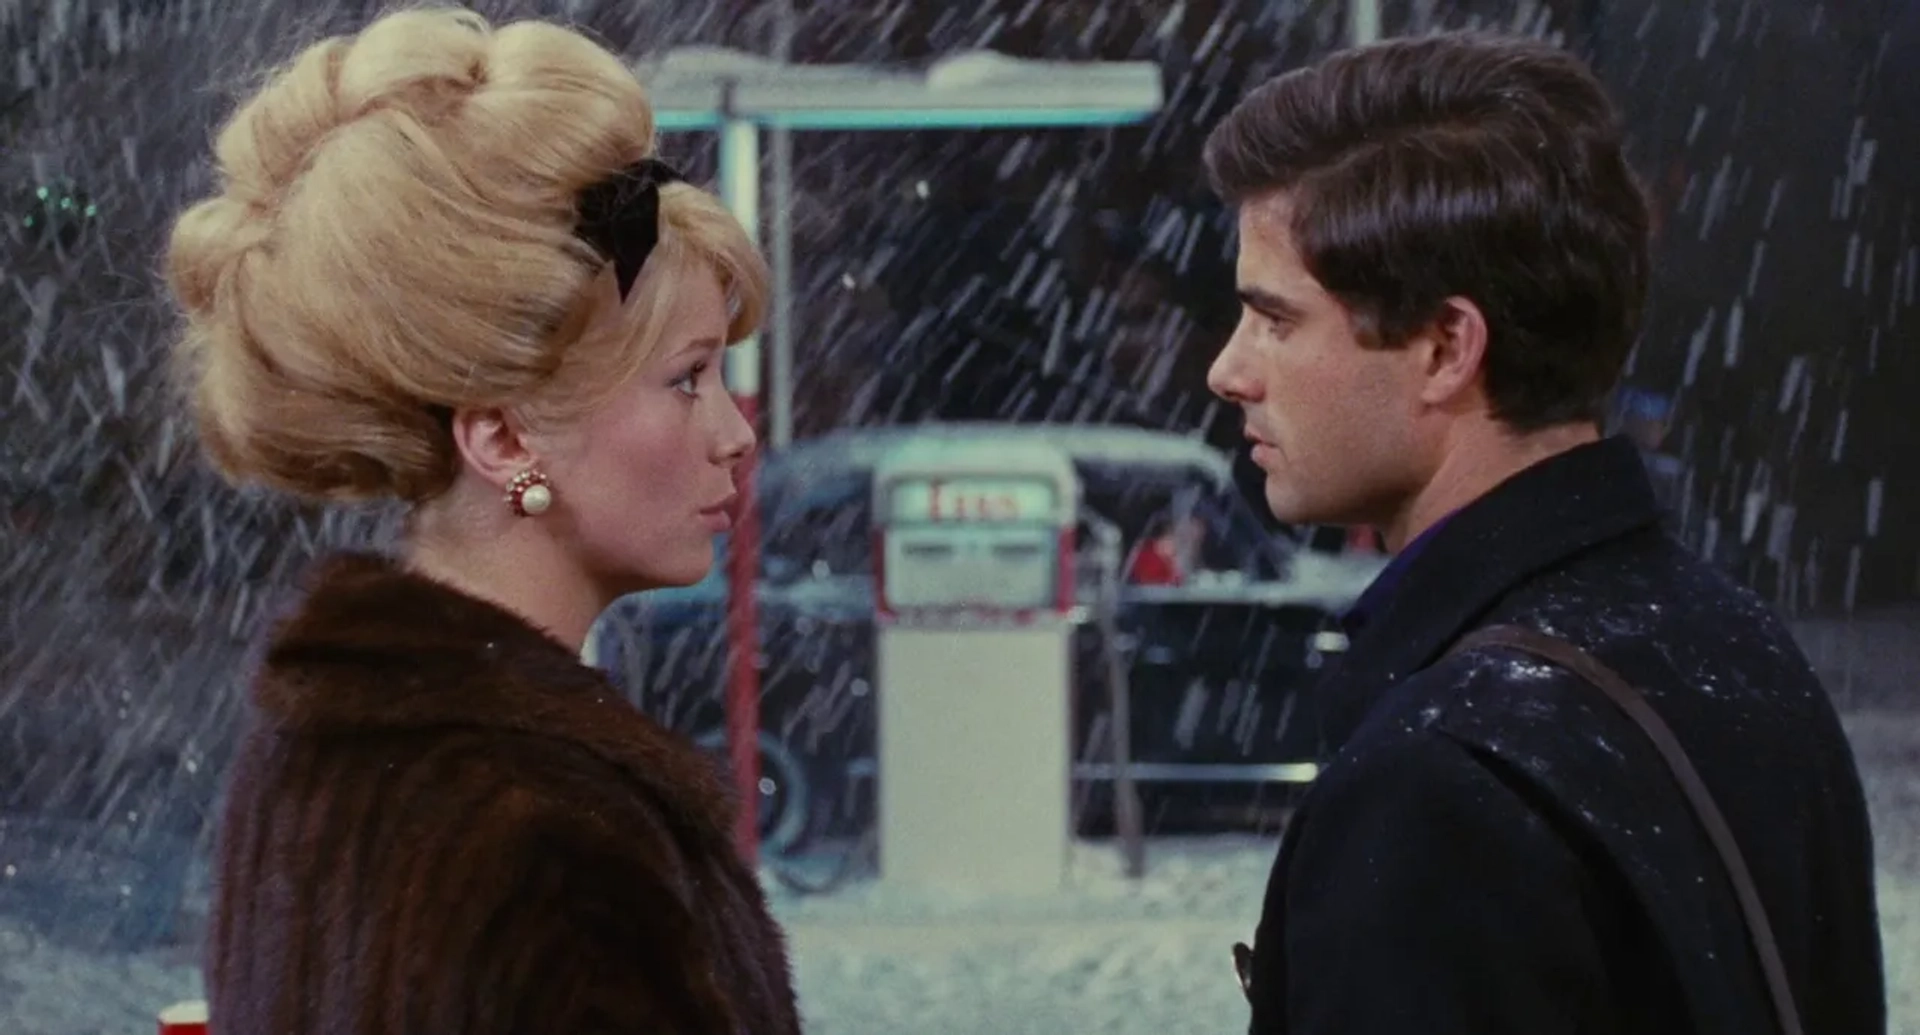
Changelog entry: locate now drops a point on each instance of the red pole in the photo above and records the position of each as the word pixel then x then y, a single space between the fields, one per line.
pixel 743 647
pixel 740 188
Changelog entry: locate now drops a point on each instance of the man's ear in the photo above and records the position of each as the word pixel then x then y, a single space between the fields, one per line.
pixel 1456 352
pixel 493 443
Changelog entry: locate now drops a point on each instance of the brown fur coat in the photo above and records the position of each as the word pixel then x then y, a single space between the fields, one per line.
pixel 441 821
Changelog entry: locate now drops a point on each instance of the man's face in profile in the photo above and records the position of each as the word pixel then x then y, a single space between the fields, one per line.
pixel 1329 418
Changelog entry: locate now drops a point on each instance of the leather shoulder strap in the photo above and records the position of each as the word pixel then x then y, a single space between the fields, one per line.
pixel 1634 704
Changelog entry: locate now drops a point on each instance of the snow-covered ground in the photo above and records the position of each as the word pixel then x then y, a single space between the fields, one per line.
pixel 1108 955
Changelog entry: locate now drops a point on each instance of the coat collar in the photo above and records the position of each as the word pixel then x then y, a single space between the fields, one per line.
pixel 373 646
pixel 1533 521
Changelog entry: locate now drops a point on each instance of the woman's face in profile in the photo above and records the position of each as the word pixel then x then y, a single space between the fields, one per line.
pixel 648 475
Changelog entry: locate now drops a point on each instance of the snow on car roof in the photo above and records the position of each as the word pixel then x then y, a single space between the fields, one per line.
pixel 852 450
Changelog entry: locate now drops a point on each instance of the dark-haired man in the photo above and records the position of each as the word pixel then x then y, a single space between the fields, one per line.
pixel 1443 258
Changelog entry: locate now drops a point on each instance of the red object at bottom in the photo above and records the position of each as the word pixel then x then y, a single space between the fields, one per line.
pixel 188 1018
pixel 743 649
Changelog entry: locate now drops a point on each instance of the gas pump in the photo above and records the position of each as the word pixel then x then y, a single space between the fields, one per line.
pixel 975 601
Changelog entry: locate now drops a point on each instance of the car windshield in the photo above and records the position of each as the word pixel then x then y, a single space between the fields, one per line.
pixel 821 541
pixel 817 523
pixel 1145 505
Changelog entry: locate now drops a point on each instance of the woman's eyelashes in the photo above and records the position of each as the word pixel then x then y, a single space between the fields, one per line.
pixel 688 384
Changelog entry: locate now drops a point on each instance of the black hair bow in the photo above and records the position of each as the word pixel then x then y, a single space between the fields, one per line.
pixel 620 216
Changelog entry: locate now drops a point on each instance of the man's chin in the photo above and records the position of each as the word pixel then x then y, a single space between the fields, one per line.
pixel 1289 508
pixel 1292 508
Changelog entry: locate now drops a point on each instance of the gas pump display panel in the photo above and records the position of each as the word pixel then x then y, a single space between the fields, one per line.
pixel 989 543
pixel 991 500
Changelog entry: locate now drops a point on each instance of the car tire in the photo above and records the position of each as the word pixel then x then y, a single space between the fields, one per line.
pixel 786 794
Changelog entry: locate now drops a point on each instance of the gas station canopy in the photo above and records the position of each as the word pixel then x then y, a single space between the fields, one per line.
pixel 697 88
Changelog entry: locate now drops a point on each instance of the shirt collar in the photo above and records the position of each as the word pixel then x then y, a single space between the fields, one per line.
pixel 1381 589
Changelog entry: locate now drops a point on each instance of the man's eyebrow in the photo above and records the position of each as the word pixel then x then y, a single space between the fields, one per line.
pixel 1267 303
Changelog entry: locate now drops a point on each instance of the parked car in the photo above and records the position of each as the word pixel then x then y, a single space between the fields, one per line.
pixel 1218 657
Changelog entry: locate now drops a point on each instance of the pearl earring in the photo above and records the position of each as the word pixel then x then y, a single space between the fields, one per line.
pixel 530 493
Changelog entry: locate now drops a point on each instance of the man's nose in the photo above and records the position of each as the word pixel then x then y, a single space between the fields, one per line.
pixel 1228 377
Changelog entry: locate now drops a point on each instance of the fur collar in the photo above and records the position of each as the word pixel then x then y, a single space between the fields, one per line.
pixel 374 646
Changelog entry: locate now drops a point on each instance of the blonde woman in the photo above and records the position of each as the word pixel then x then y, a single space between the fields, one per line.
pixel 444 267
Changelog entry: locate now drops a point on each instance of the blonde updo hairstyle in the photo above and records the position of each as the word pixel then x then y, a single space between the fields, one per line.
pixel 393 240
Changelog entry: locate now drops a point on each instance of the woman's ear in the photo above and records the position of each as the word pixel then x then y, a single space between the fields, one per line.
pixel 493 443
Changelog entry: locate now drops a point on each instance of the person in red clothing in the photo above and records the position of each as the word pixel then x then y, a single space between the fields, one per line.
pixel 1167 557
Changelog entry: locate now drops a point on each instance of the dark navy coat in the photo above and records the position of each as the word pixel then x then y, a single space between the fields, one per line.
pixel 1496 849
